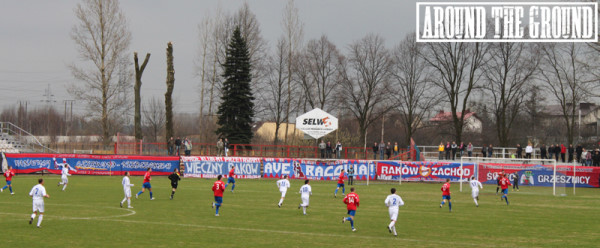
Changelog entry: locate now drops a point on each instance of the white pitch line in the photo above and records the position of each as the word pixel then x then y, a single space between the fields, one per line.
pixel 285 232
pixel 131 212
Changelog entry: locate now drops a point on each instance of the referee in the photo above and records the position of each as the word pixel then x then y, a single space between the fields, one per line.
pixel 174 177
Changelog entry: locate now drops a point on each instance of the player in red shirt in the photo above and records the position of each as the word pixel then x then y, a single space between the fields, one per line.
pixel 231 178
pixel 8 174
pixel 504 183
pixel 446 195
pixel 218 188
pixel 500 175
pixel 351 200
pixel 146 184
pixel 340 183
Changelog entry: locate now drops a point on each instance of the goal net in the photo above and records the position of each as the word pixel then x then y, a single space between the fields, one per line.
pixel 522 172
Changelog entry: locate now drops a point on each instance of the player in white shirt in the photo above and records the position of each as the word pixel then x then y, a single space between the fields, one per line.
pixel 38 192
pixel 64 173
pixel 283 185
pixel 127 190
pixel 475 185
pixel 393 201
pixel 306 192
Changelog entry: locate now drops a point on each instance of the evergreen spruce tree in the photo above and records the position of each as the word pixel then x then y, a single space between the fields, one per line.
pixel 237 108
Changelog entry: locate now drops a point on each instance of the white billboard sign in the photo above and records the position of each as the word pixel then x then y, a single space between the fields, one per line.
pixel 316 123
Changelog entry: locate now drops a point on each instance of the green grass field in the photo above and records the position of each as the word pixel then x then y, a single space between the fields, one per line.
pixel 87 214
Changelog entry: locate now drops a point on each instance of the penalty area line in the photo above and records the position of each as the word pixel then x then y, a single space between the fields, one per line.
pixel 284 232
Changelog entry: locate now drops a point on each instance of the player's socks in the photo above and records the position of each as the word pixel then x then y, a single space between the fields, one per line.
pixel 450 205
pixel 40 220
pixel 10 188
pixel 151 195
pixel 506 198
pixel 172 194
pixel 394 229
pixel 123 201
pixel 218 206
pixel 226 185
pixel 351 223
pixel 32 216
pixel 336 190
pixel 442 204
pixel 392 224
pixel 304 210
pixel 232 188
pixel 344 190
pixel 3 188
pixel 280 201
pixel 128 202
pixel 139 193
pixel 475 200
pixel 64 187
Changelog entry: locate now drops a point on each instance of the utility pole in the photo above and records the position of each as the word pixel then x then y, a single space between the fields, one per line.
pixel 68 120
pixel 49 101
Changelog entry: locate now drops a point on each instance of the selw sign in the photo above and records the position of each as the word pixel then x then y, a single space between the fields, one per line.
pixel 317 123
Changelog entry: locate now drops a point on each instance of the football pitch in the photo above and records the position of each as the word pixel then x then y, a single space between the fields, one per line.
pixel 87 214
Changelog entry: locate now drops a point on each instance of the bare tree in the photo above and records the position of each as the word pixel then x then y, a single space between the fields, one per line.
pixel 366 81
pixel 138 99
pixel 219 40
pixel 293 33
pixel 510 72
pixel 102 38
pixel 154 117
pixel 319 72
pixel 276 92
pixel 567 70
pixel 412 86
pixel 457 66
pixel 203 69
pixel 169 93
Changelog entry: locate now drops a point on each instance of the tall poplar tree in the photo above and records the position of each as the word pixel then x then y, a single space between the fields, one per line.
pixel 236 110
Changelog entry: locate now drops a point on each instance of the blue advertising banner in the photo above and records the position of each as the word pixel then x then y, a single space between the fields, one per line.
pixel 210 167
pixel 317 170
pixel 82 164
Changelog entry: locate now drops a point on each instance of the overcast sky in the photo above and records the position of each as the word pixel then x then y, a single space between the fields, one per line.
pixel 36 47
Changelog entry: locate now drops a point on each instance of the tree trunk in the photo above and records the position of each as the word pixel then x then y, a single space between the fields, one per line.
pixel 170 86
pixel 138 99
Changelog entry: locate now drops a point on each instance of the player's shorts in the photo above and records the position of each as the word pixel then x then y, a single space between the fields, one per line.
pixel 127 192
pixel 340 185
pixel 505 191
pixel 174 185
pixel 146 185
pixel 8 182
pixel 393 213
pixel 305 201
pixel 351 212
pixel 475 193
pixel 219 199
pixel 445 197
pixel 38 205
pixel 230 180
pixel 283 192
pixel 65 179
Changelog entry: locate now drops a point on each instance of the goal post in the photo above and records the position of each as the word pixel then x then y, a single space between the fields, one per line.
pixel 528 172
